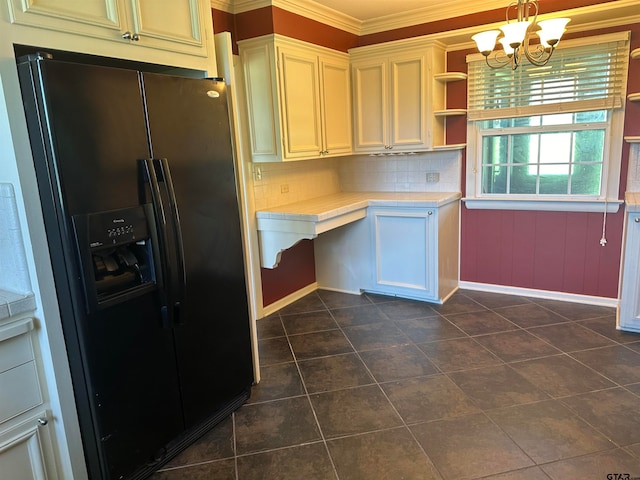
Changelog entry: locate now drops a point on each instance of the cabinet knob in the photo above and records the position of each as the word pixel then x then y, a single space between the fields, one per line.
pixel 637 219
pixel 43 421
pixel 134 37
pixel 429 212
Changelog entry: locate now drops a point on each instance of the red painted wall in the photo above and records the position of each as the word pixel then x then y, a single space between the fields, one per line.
pixel 556 251
pixel 296 270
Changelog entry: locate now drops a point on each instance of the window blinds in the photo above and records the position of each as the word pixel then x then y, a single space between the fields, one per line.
pixel 577 78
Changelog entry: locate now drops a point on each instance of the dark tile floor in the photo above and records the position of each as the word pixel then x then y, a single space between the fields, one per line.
pixel 485 386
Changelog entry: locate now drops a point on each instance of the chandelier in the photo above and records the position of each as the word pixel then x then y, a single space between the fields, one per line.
pixel 516 35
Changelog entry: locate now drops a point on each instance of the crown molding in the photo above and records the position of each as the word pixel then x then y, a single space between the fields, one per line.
pixel 326 15
pixel 224 5
pixel 603 15
pixel 448 9
pixel 306 8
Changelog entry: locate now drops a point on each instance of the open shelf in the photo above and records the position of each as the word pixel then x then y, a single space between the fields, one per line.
pixel 450 112
pixel 450 76
pixel 444 148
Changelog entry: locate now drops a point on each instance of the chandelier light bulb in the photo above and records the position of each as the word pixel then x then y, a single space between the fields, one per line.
pixel 514 33
pixel 551 31
pixel 508 49
pixel 485 41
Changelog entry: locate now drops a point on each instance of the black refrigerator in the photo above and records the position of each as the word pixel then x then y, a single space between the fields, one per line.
pixel 138 189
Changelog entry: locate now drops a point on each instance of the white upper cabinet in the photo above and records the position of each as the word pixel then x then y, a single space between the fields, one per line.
pixel 300 103
pixel 178 26
pixel 335 101
pixel 298 99
pixel 394 97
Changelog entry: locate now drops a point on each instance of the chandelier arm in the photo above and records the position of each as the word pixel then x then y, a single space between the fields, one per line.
pixel 500 59
pixel 536 61
pixel 518 6
pixel 537 9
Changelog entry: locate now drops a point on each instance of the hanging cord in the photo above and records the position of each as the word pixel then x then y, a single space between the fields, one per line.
pixel 603 240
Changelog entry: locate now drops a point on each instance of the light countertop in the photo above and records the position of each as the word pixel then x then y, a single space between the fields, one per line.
pixel 12 304
pixel 282 227
pixel 632 200
pixel 323 208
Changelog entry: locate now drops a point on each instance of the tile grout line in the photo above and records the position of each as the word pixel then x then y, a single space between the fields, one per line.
pixel 377 383
pixel 308 397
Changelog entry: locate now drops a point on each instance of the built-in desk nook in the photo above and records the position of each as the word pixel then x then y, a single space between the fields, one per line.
pixel 392 243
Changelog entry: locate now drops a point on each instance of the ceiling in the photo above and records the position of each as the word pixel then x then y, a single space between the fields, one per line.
pixel 364 10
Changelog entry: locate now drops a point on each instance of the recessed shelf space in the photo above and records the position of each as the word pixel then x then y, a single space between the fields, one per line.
pixel 450 112
pixel 450 76
pixel 444 148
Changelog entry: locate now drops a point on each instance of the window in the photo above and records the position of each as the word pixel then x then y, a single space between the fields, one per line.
pixel 549 137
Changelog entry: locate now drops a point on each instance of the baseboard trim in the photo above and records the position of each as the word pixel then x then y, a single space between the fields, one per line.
pixel 292 297
pixel 547 294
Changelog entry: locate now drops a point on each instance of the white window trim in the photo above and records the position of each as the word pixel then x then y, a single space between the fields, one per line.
pixel 607 202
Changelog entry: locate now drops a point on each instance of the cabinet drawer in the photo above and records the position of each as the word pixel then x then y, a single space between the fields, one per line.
pixel 15 344
pixel 19 390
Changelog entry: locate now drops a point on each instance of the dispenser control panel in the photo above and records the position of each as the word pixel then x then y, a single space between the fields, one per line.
pixel 117 227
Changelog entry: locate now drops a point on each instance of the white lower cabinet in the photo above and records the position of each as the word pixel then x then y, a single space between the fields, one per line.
pixel 23 449
pixel 404 251
pixel 414 251
pixel 629 310
pixel 409 252
pixel 26 449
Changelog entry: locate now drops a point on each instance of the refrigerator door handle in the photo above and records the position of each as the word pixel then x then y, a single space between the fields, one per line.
pixel 178 305
pixel 161 221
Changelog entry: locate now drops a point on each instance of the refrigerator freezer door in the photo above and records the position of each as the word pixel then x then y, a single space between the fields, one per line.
pixel 189 127
pixel 87 133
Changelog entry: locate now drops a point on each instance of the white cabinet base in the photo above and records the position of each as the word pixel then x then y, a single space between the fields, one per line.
pixel 404 252
pixel 22 450
pixel 399 251
pixel 629 310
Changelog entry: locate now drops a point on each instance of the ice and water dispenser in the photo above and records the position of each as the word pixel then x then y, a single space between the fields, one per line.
pixel 117 254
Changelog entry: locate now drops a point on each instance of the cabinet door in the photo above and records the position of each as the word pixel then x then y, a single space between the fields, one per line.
pixel 404 252
pixel 629 311
pixel 258 63
pixel 335 94
pixel 300 103
pixel 175 26
pixel 96 18
pixel 25 450
pixel 370 106
pixel 408 102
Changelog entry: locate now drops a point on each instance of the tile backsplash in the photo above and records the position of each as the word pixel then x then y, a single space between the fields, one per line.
pixel 281 183
pixel 402 173
pixel 288 182
pixel 14 274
